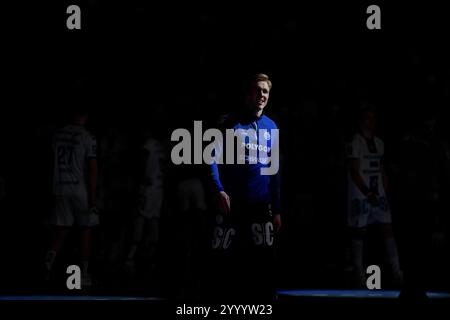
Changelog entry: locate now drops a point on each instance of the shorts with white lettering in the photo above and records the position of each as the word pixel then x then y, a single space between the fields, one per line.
pixel 243 253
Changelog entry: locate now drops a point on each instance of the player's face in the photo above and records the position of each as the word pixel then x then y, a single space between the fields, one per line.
pixel 369 121
pixel 430 124
pixel 259 96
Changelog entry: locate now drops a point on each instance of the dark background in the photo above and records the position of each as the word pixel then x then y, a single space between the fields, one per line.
pixel 188 62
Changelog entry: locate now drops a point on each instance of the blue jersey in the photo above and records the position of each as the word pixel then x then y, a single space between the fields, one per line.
pixel 244 183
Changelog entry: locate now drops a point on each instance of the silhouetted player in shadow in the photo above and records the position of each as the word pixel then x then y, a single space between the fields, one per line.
pixel 367 196
pixel 423 177
pixel 74 189
pixel 146 223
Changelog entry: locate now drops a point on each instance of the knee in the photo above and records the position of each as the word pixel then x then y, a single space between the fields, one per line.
pixel 387 231
pixel 358 233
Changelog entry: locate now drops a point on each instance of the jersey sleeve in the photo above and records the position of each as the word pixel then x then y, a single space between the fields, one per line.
pixel 381 150
pixel 354 149
pixel 275 180
pixel 218 151
pixel 275 192
pixel 214 174
pixel 214 168
pixel 381 147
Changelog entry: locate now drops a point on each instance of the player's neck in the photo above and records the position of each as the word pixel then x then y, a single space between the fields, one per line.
pixel 368 134
pixel 252 115
pixel 77 123
pixel 255 114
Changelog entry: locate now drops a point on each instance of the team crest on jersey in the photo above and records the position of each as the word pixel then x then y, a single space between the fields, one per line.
pixel 266 135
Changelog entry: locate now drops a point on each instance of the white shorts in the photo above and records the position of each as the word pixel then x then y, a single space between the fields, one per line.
pixel 151 199
pixel 361 213
pixel 70 210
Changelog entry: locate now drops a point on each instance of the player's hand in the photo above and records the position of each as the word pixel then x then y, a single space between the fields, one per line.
pixel 223 201
pixel 92 202
pixel 93 210
pixel 277 222
pixel 372 198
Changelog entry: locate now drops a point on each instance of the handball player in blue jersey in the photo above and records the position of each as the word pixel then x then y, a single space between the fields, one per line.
pixel 248 199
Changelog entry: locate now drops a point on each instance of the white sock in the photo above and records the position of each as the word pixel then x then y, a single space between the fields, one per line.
pixel 392 255
pixel 138 231
pixel 114 252
pixel 84 266
pixel 132 252
pixel 49 259
pixel 357 256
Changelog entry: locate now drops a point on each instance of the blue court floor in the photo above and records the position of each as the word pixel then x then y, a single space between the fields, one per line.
pixel 311 293
pixel 362 294
pixel 75 298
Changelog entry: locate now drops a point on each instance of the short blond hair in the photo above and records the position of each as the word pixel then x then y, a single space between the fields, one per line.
pixel 251 80
pixel 262 77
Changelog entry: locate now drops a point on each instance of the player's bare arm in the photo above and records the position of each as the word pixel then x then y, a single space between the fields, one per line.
pixel 144 155
pixel 92 183
pixel 384 177
pixel 358 180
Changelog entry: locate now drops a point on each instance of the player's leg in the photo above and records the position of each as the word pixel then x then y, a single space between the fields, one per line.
pixel 357 220
pixel 381 215
pixel 197 207
pixel 136 238
pixel 391 252
pixel 199 239
pixel 143 228
pixel 358 236
pixel 258 259
pixel 85 249
pixel 151 239
pixel 191 207
pixel 86 219
pixel 414 227
pixel 62 219
pixel 59 234
pixel 222 282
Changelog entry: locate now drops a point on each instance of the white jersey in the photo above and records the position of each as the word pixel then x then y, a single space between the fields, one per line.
pixel 151 192
pixel 370 154
pixel 73 146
